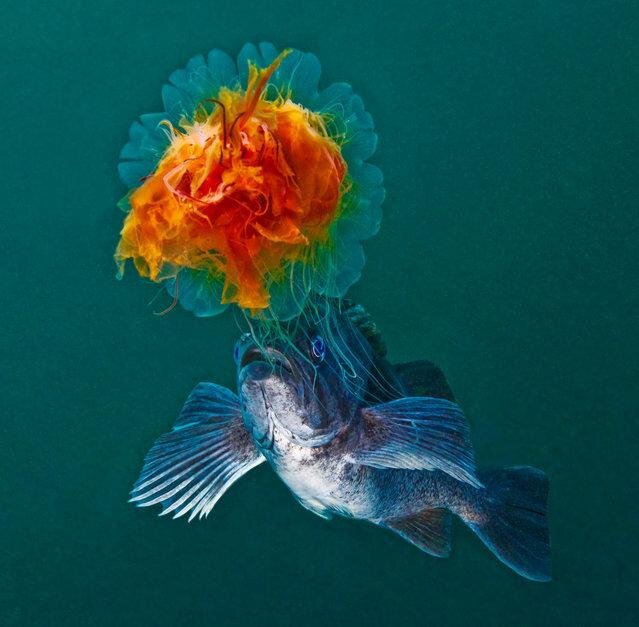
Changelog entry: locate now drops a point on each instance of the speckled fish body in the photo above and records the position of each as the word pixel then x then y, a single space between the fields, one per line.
pixel 352 435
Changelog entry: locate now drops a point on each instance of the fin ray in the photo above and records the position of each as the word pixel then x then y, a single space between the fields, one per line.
pixel 210 478
pixel 428 529
pixel 416 433
pixel 209 448
pixel 424 378
pixel 362 320
pixel 316 508
pixel 513 522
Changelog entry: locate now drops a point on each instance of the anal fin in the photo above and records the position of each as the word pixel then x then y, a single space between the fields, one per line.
pixel 428 529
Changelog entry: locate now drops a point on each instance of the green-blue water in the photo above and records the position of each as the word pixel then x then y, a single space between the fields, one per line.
pixel 508 139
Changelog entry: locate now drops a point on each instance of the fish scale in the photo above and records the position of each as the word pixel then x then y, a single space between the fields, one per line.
pixel 350 435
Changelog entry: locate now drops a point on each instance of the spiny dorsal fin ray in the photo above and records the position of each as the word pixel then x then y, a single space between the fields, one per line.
pixel 363 321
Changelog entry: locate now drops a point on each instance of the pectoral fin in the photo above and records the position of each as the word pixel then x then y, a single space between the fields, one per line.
pixel 321 510
pixel 416 433
pixel 190 468
pixel 429 530
pixel 316 507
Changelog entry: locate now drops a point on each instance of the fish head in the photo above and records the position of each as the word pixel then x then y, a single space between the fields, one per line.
pixel 302 384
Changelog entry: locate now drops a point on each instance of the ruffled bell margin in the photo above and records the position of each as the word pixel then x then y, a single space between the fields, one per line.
pixel 339 263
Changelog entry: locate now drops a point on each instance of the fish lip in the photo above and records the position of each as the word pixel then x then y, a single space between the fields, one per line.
pixel 265 437
pixel 269 356
pixel 249 356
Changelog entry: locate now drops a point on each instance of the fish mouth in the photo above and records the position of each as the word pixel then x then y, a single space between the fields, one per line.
pixel 269 356
pixel 250 355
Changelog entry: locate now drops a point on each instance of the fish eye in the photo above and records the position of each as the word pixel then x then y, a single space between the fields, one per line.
pixel 318 347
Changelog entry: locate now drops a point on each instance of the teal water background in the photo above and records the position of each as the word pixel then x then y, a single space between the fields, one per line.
pixel 508 255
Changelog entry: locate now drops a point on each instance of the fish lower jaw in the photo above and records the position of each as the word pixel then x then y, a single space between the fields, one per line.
pixel 264 437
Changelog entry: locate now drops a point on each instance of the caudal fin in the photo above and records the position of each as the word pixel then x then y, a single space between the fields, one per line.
pixel 514 525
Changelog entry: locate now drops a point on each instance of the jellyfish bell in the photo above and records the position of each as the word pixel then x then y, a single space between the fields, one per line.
pixel 252 187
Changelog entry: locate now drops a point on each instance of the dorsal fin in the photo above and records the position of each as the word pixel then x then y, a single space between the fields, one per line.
pixel 364 322
pixel 424 378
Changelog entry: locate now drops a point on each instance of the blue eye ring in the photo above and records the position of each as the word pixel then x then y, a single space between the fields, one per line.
pixel 318 347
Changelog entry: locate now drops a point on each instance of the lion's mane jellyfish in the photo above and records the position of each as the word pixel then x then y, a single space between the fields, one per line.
pixel 252 187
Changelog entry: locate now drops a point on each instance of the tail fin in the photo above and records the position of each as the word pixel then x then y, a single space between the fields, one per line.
pixel 515 527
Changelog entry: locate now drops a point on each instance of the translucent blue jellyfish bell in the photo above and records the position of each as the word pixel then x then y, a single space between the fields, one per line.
pixel 331 263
